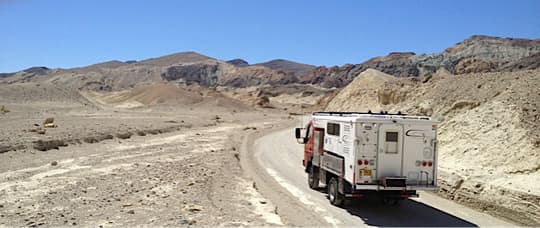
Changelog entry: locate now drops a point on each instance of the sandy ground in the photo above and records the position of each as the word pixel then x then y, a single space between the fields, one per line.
pixel 183 171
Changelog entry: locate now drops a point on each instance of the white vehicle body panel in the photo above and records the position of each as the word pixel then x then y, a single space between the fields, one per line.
pixel 393 145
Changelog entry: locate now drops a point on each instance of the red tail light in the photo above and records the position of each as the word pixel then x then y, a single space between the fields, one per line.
pixel 430 163
pixel 359 162
pixel 424 163
pixel 366 162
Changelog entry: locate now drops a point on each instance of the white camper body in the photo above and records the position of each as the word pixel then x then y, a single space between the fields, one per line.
pixel 365 152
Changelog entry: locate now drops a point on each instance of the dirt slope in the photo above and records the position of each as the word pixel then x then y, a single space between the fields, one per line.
pixel 489 133
pixel 357 96
pixel 167 95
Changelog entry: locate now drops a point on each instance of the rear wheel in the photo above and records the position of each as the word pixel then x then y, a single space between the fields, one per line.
pixel 313 177
pixel 333 194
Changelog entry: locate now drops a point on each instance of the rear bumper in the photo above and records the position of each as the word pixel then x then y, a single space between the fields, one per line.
pixel 406 188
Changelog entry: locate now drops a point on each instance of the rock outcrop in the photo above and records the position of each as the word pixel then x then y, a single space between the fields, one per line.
pixel 478 54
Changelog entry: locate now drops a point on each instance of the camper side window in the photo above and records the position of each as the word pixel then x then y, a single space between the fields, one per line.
pixel 332 129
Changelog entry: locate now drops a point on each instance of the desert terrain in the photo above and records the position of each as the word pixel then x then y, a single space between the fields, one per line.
pixel 107 165
pixel 166 141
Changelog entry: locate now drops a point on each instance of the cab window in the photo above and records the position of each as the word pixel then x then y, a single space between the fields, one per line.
pixel 332 129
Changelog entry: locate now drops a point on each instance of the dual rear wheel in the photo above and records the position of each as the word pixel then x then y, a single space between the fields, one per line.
pixel 334 196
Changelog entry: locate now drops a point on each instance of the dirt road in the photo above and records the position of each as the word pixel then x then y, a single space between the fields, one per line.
pixel 277 158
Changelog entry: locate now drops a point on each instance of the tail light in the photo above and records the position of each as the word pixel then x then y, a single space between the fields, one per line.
pixel 430 163
pixel 424 163
pixel 366 162
pixel 359 162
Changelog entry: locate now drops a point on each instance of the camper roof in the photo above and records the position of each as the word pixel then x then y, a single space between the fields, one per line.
pixel 368 115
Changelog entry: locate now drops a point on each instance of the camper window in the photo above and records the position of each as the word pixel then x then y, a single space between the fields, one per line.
pixel 391 136
pixel 391 142
pixel 332 129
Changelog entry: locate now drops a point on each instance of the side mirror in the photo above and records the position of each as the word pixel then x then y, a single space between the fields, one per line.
pixel 298 135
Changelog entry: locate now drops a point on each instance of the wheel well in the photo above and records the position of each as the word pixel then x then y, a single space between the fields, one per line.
pixel 329 176
pixel 347 187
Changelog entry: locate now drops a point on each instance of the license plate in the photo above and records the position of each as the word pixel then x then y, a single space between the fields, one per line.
pixel 366 172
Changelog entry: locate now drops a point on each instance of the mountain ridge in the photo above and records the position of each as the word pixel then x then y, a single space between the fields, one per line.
pixel 476 54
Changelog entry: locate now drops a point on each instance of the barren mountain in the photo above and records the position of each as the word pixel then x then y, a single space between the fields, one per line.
pixel 474 55
pixel 187 68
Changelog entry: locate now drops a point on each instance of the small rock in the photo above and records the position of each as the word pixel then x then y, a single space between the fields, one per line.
pixel 194 208
pixel 131 212
pixel 54 163
pixel 48 120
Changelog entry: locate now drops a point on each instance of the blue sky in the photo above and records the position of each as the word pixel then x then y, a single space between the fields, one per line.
pixel 69 33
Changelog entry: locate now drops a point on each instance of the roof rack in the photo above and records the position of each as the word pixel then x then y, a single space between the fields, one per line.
pixel 350 113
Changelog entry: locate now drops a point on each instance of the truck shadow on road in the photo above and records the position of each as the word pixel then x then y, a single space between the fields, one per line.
pixel 406 213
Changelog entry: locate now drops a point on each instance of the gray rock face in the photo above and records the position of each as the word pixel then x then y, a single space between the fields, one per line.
pixel 200 73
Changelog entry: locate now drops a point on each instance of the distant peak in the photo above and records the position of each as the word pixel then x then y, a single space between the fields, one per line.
pixel 483 37
pixel 474 38
pixel 37 70
pixel 238 62
pixel 279 61
pixel 176 58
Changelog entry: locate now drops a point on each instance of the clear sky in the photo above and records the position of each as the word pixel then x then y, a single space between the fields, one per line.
pixel 69 33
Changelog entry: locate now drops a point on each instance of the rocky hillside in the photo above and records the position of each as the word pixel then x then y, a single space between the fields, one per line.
pixel 187 68
pixel 477 54
pixel 489 132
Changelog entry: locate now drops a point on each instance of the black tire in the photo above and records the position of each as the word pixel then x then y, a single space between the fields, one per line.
pixel 333 193
pixel 313 177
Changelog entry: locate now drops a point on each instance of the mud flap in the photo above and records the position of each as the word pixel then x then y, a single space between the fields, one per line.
pixel 341 185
